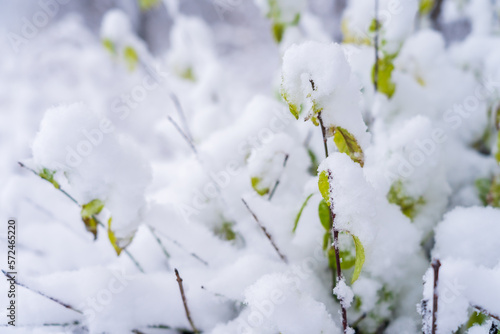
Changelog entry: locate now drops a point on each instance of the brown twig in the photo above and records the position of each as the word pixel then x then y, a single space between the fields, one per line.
pixel 278 180
pixel 436 264
pixel 184 301
pixel 335 232
pixel 484 311
pixel 266 233
pixel 69 307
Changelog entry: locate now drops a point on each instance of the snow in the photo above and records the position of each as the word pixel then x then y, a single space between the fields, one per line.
pixel 318 77
pixel 92 96
pixel 344 293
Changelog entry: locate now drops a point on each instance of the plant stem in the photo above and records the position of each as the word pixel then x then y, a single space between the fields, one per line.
pixel 184 249
pixel 266 233
pixel 69 307
pixel 76 202
pixel 184 301
pixel 484 311
pixel 278 180
pixel 335 232
pixel 436 264
pixel 160 243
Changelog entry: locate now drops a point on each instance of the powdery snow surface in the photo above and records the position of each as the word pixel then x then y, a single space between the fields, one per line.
pixel 199 131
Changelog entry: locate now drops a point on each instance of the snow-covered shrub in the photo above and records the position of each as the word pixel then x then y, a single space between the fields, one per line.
pixel 302 185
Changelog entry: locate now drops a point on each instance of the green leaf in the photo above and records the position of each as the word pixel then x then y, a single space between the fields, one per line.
pixel 360 259
pixel 346 143
pixel 384 82
pixel 188 74
pixel 324 215
pixel 374 25
pixel 476 318
pixel 112 238
pixel 48 175
pixel 324 186
pixel 425 7
pixel 313 169
pixel 131 57
pixel 226 231
pixel 483 187
pixel 409 205
pixel 493 198
pixel 255 185
pixel 294 109
pixel 88 213
pixel 278 29
pixel 109 45
pixel 297 218
pixel 326 240
pixel 497 155
pixel 148 4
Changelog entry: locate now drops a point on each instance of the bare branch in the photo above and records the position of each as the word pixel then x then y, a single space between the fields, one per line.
pixel 484 311
pixel 436 264
pixel 266 233
pixel 69 307
pixel 184 301
pixel 278 180
pixel 334 232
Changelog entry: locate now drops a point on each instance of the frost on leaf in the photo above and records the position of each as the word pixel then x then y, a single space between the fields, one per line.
pixel 294 109
pixel 346 143
pixel 409 205
pixel 88 213
pixel 384 82
pixel 259 189
pixel 48 175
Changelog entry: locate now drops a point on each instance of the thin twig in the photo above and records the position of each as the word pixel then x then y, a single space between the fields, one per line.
pixel 60 189
pixel 219 295
pixel 134 260
pixel 484 311
pixel 357 321
pixel 182 116
pixel 184 301
pixel 172 96
pixel 184 249
pixel 278 180
pixel 69 307
pixel 183 134
pixel 76 202
pixel 436 264
pixel 160 243
pixel 195 151
pixel 269 237
pixel 334 232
